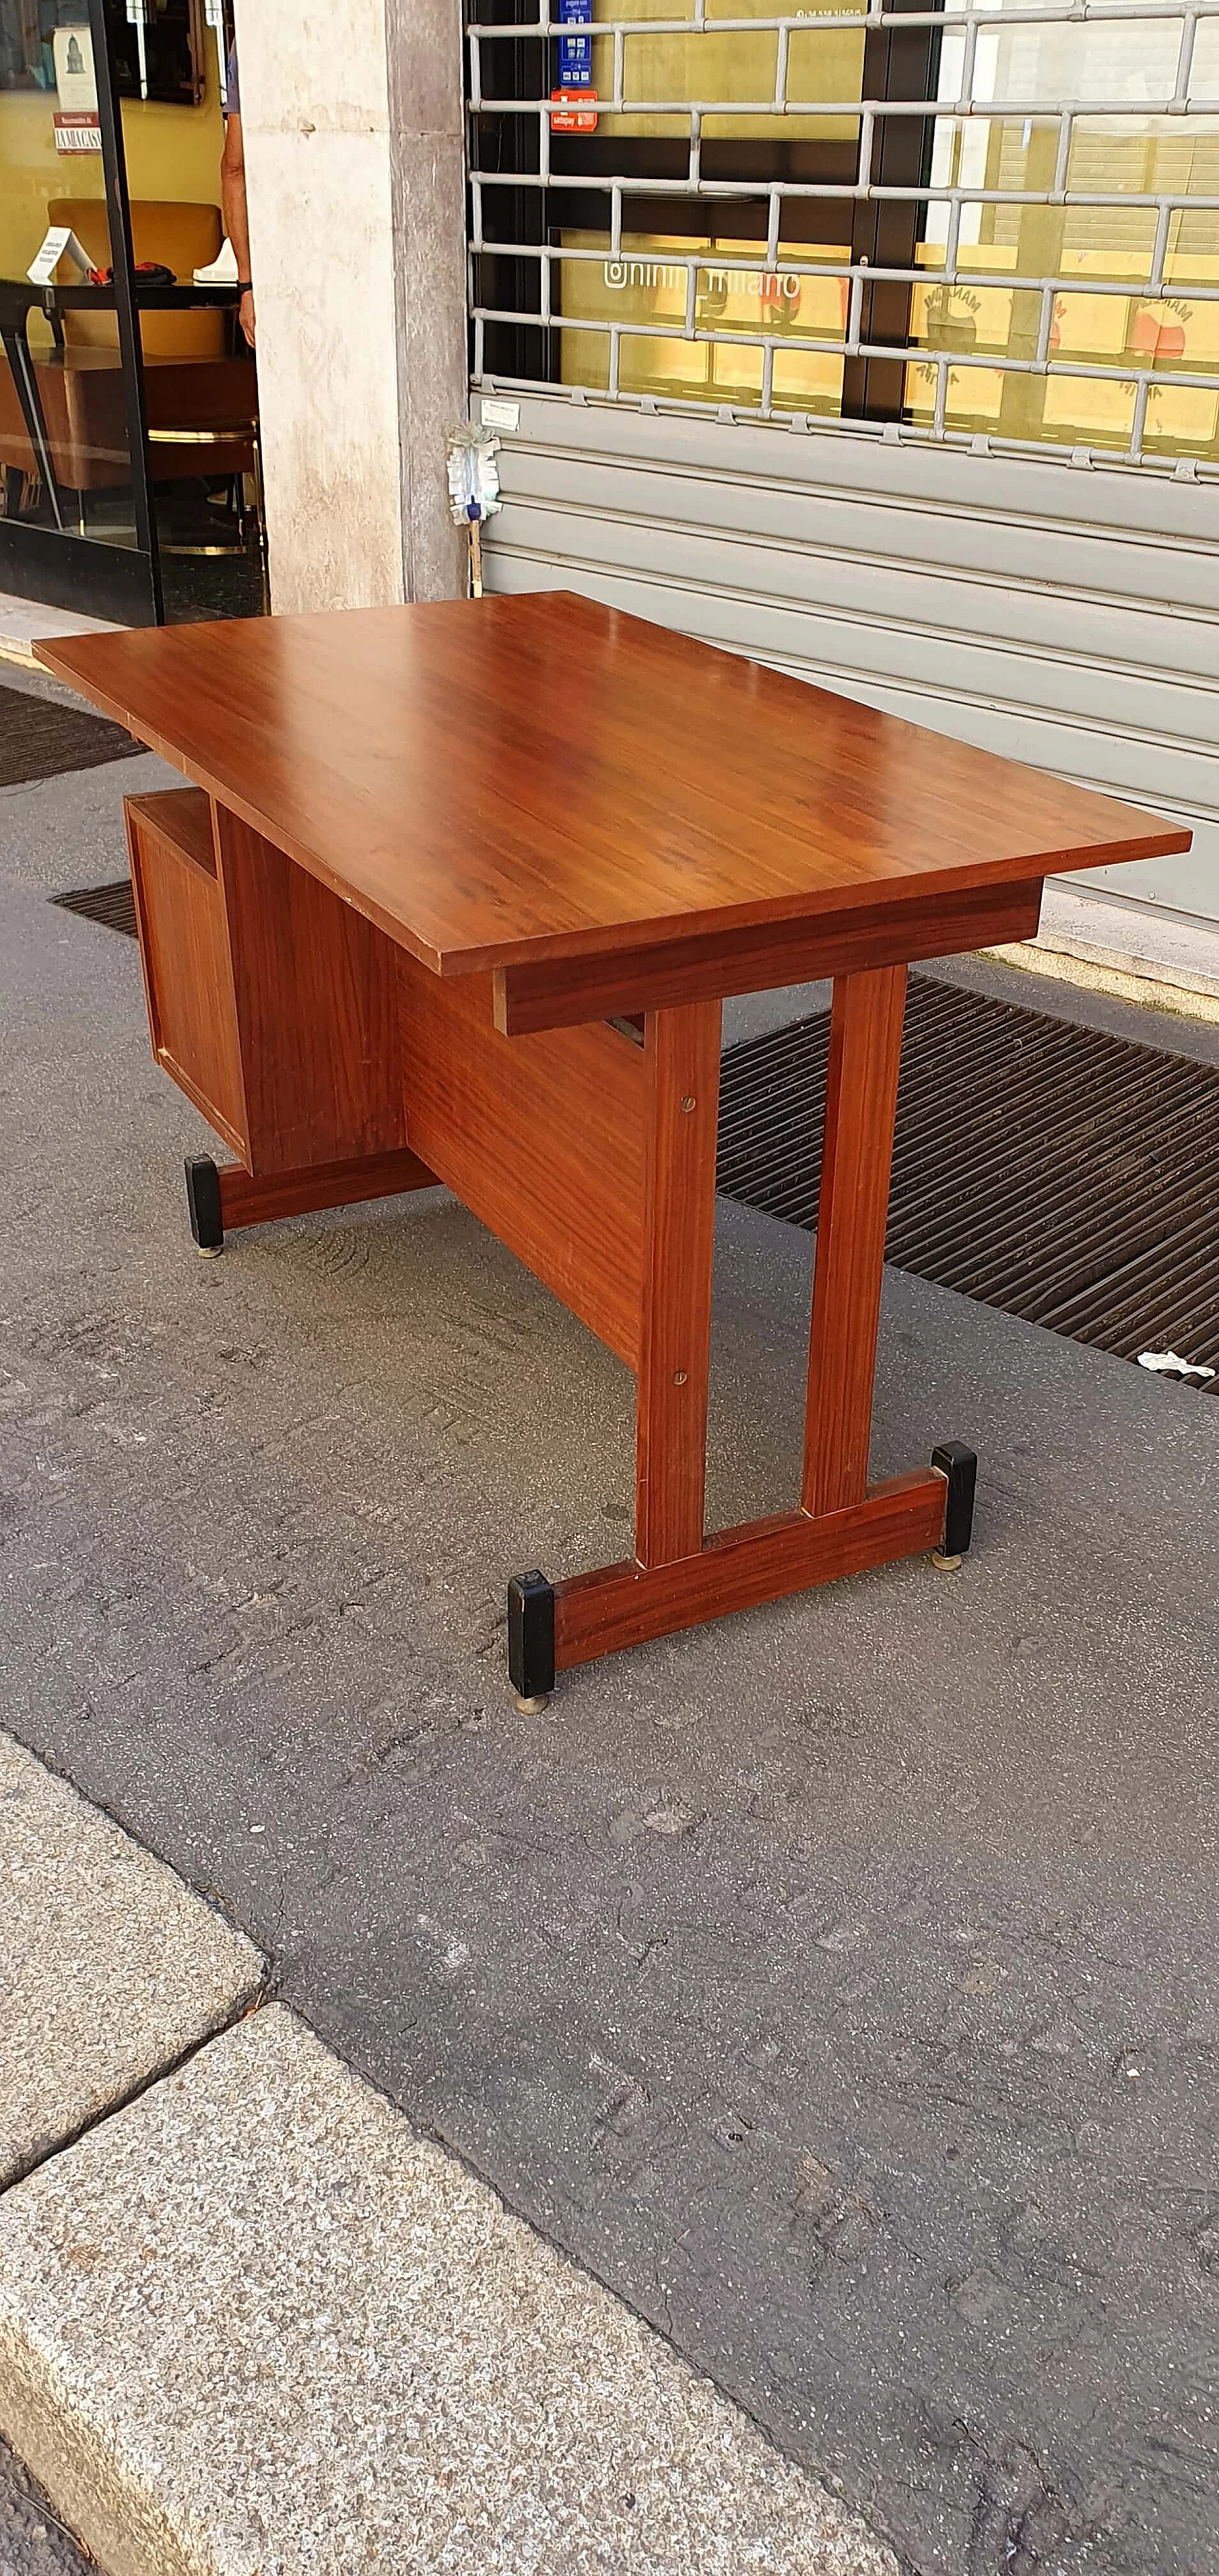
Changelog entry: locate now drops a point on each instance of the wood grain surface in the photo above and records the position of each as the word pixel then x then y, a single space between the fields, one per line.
pixel 511 779
pixel 318 1016
pixel 184 950
pixel 754 960
pixel 184 815
pixel 246 1201
pixel 541 1137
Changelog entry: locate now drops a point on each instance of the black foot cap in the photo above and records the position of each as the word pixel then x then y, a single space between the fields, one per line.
pixel 203 1200
pixel 531 1636
pixel 960 1466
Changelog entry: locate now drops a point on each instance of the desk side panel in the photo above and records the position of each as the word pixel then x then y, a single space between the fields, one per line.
pixel 192 1014
pixel 541 1137
pixel 317 1004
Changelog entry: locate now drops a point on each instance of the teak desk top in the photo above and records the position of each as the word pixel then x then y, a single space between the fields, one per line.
pixel 521 780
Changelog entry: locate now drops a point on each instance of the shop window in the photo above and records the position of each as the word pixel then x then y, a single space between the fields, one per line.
pixel 922 215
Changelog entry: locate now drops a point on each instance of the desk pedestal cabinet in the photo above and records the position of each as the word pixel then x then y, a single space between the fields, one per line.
pixel 339 1069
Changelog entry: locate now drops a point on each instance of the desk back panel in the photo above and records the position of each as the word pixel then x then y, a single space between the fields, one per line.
pixel 541 1137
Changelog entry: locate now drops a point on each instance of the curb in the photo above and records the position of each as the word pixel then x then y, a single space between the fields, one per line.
pixel 251 2324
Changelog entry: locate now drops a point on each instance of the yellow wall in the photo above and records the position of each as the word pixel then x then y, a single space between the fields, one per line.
pixel 32 172
pixel 1094 330
pixel 648 283
pixel 175 151
pixel 733 292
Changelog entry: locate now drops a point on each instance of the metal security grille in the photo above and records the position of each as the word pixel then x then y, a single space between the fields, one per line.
pixel 981 223
pixel 1062 1174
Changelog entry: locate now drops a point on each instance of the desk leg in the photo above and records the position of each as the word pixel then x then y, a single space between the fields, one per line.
pixel 682 1070
pixel 679 1579
pixel 681 1118
pixel 856 1161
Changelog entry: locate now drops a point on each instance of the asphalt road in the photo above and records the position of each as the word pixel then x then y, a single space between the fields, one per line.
pixel 839 1983
pixel 32 2541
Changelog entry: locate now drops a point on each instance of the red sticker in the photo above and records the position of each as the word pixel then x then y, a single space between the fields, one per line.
pixel 573 111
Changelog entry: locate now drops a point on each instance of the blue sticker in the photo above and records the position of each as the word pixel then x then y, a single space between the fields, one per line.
pixel 576 52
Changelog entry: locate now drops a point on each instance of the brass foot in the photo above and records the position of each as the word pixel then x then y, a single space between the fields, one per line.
pixel 946 1564
pixel 209 1251
pixel 533 1707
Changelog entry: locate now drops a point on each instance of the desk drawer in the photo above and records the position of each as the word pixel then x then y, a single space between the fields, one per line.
pixel 184 944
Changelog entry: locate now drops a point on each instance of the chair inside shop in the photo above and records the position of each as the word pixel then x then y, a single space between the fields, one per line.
pixel 192 382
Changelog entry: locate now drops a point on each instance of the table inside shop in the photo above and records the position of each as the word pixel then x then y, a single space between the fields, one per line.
pixel 457 894
pixel 19 297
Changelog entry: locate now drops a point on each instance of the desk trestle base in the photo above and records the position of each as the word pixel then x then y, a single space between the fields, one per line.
pixel 678 1578
pixel 222 1196
pixel 552 1628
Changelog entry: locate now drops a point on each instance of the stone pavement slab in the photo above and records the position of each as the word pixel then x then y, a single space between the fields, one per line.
pixel 25 622
pixel 254 2326
pixel 109 1967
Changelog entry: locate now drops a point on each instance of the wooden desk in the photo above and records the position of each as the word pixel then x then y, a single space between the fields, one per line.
pixel 459 894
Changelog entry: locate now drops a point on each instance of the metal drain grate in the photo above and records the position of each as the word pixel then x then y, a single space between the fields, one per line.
pixel 1064 1175
pixel 112 905
pixel 42 738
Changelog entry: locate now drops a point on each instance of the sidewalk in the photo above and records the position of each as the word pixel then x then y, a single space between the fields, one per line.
pixel 23 621
pixel 836 1985
pixel 250 2321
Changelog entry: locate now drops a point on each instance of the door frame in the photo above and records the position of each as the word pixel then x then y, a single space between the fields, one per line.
pixel 56 566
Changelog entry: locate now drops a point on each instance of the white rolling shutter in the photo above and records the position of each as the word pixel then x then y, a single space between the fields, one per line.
pixel 1061 613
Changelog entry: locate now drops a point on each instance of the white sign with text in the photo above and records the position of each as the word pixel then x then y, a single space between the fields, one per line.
pixel 60 243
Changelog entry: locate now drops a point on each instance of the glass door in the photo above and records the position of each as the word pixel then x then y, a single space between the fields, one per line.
pixel 77 527
pixel 129 455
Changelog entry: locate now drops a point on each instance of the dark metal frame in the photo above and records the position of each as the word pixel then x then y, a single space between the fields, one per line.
pixel 886 230
pixel 118 207
pixel 63 565
pixel 515 147
pixel 196 40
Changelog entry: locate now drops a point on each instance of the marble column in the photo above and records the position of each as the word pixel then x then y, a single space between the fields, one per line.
pixel 352 126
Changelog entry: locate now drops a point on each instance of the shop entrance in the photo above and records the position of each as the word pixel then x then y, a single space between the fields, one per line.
pixel 129 457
